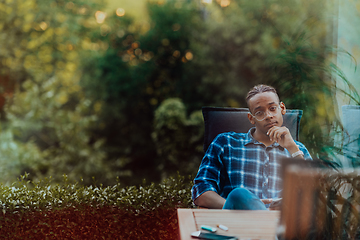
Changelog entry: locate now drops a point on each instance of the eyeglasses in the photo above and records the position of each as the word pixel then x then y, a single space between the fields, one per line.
pixel 261 115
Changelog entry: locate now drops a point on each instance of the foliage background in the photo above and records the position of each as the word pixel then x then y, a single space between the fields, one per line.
pixel 97 95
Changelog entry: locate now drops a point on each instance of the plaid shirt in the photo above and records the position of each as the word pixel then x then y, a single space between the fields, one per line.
pixel 238 160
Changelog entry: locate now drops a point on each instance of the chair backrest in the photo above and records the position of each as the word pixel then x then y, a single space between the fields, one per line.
pixel 351 140
pixel 224 119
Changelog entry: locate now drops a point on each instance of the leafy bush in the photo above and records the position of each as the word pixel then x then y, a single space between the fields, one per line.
pixel 172 128
pixel 71 210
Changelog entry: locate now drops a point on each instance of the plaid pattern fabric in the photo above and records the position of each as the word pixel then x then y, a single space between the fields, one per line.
pixel 238 160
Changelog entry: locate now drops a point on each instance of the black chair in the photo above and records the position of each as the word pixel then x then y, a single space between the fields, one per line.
pixel 224 119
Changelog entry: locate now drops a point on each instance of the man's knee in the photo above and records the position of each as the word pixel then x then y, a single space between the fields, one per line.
pixel 240 193
pixel 241 198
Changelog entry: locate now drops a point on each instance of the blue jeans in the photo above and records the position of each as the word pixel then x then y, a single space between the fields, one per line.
pixel 243 199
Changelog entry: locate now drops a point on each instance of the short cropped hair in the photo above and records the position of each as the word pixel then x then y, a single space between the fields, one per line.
pixel 259 89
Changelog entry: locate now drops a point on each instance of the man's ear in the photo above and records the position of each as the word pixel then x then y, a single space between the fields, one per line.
pixel 251 118
pixel 283 108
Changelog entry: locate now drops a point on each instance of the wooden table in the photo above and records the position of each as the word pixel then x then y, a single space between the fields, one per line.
pixel 243 224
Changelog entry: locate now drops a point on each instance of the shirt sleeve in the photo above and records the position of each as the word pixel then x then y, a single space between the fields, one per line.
pixel 209 174
pixel 304 150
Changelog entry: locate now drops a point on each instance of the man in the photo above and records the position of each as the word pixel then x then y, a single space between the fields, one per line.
pixel 241 170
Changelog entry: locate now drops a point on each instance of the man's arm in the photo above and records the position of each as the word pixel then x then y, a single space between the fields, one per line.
pixel 210 199
pixel 207 183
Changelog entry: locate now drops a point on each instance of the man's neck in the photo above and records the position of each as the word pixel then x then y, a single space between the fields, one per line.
pixel 263 138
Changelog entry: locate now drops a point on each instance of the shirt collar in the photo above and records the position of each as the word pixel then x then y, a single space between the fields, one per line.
pixel 250 139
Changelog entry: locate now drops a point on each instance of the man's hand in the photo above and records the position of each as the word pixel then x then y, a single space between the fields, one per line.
pixel 266 201
pixel 283 137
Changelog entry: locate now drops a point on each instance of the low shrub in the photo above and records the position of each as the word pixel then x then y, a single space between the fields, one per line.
pixel 40 210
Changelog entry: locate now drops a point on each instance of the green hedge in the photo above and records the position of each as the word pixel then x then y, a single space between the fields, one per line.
pixel 41 210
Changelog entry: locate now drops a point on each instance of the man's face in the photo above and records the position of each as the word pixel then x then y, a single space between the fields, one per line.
pixel 267 102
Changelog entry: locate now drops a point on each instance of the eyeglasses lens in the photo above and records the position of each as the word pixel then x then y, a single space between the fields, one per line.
pixel 261 115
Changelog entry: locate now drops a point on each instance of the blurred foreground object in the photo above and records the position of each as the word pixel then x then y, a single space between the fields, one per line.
pixel 319 203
